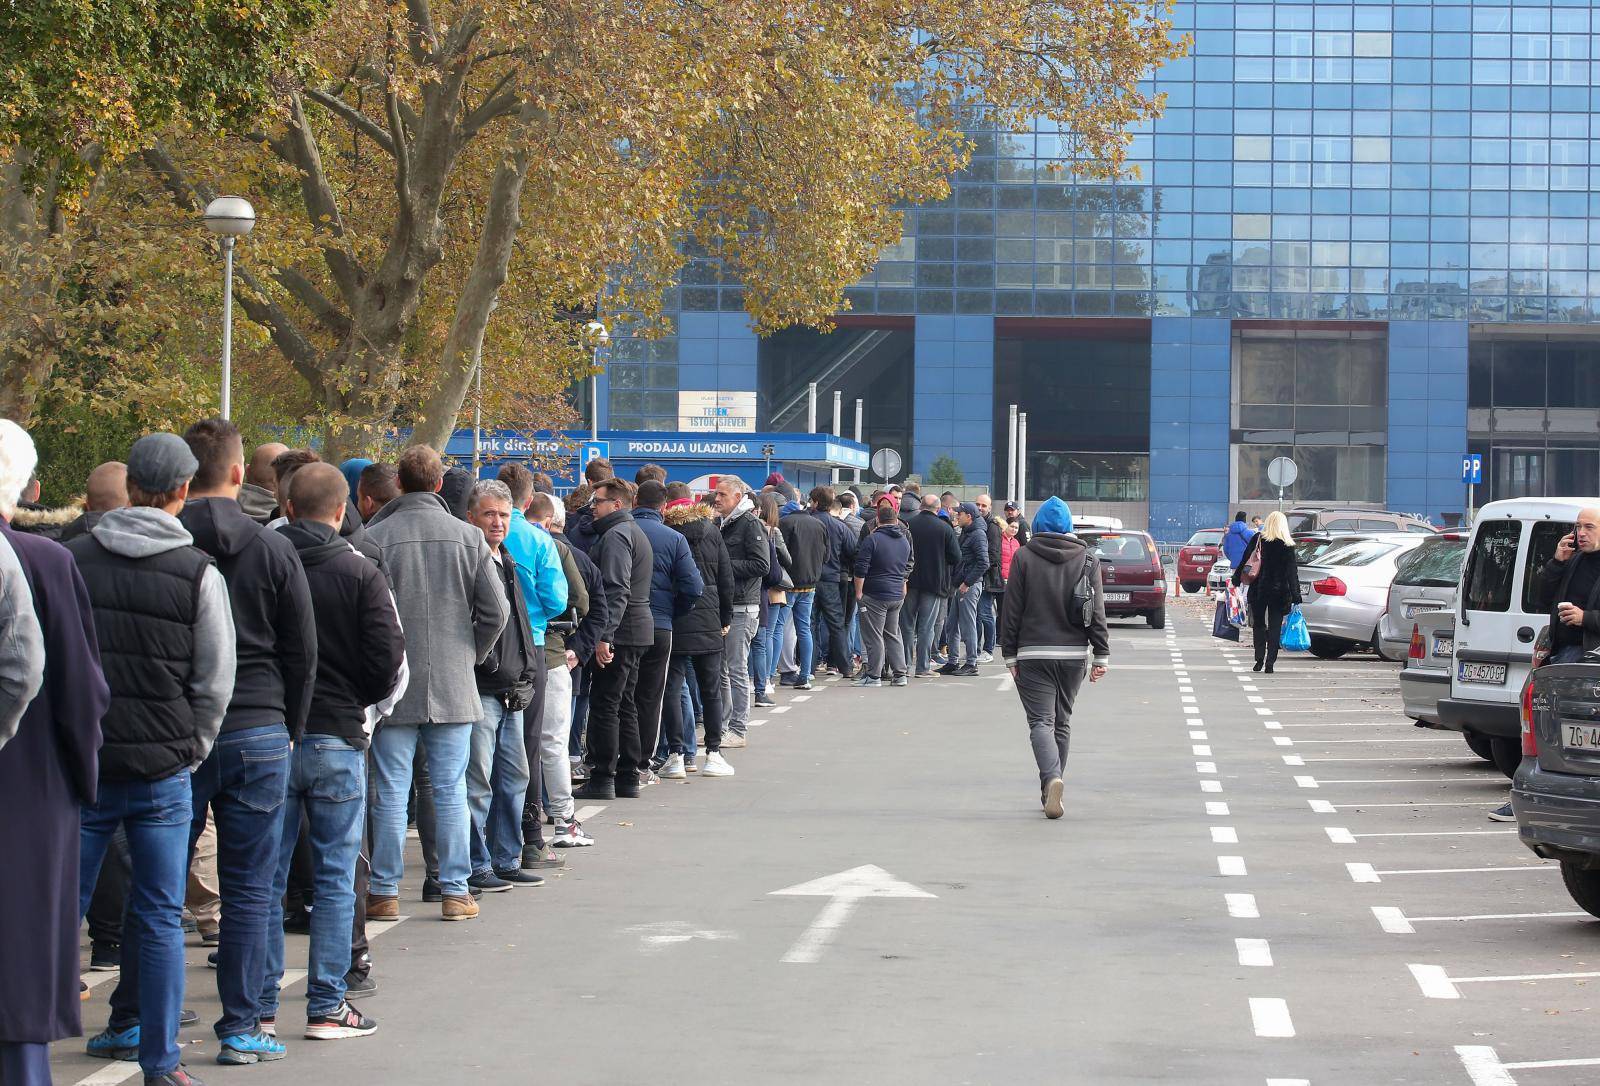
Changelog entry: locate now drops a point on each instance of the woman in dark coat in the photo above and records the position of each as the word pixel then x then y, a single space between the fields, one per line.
pixel 1275 589
pixel 47 771
pixel 697 637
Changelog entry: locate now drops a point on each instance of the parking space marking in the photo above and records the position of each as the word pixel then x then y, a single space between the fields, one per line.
pixel 1394 920
pixel 1293 759
pixel 1288 1082
pixel 1359 724
pixel 1191 709
pixel 1483 1066
pixel 1197 735
pixel 1272 725
pixel 1436 983
pixel 1321 806
pixel 1339 835
pixel 1254 699
pixel 1367 873
pixel 1386 710
pixel 1271 1017
pixel 1231 866
pixel 1306 782
pixel 583 814
pixel 1282 741
pixel 1205 767
pixel 1215 808
pixel 1362 873
pixel 1256 953
pixel 1436 803
pixel 1242 906
pixel 1224 835
pixel 1210 786
pixel 1265 712
pixel 1201 750
pixel 1330 742
pixel 1438 833
pixel 1416 780
pixel 1390 760
pixel 780 709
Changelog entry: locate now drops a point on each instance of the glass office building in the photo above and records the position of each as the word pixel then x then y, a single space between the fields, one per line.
pixel 1363 235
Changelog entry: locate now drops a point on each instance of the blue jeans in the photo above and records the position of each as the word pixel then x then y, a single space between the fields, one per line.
pixel 497 786
pixel 967 625
pixel 328 782
pixel 446 747
pixel 156 817
pixel 244 783
pixel 988 612
pixel 802 604
pixel 918 618
pixel 761 651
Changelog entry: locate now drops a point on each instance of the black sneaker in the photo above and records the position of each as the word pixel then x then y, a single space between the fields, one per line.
pixel 764 701
pixel 211 959
pixel 211 938
pixel 176 1077
pixel 187 1017
pixel 1503 814
pixel 297 922
pixel 968 672
pixel 948 669
pixel 489 883
pixel 599 788
pixel 518 877
pixel 430 889
pixel 104 957
pixel 624 790
pixel 360 984
pixel 342 1023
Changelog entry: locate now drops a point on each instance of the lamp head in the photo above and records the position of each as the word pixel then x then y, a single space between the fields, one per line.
pixel 230 216
pixel 598 333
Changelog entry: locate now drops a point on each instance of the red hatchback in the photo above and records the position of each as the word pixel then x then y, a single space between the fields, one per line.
pixel 1131 573
pixel 1197 556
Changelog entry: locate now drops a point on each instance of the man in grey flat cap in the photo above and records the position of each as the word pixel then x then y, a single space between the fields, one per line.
pixel 167 644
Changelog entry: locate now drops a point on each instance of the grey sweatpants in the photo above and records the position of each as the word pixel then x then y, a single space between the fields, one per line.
pixel 1047 689
pixel 736 686
pixel 880 636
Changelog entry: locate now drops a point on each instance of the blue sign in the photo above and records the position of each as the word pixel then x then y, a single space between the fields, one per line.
pixel 593 450
pixel 1472 469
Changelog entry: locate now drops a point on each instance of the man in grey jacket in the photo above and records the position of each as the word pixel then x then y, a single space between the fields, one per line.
pixel 21 644
pixel 452 609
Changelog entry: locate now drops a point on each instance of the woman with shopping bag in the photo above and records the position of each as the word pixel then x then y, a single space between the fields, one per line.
pixel 1268 569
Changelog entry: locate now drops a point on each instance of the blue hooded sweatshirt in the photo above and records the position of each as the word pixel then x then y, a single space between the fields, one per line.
pixel 1237 541
pixel 1054 515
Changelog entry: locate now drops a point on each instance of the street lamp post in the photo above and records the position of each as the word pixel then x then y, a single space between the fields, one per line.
pixel 601 337
pixel 230 218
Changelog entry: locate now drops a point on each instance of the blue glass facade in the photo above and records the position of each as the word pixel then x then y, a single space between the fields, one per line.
pixel 1418 171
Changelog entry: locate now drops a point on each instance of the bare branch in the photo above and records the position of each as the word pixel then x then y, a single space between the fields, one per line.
pixel 306 293
pixel 353 117
pixel 424 36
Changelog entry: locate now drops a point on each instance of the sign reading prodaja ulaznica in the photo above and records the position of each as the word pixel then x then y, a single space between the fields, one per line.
pixel 717 412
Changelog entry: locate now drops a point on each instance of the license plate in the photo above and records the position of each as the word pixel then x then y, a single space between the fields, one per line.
pixel 1203 561
pixel 1413 610
pixel 1444 647
pixel 1580 736
pixel 1118 597
pixel 1482 673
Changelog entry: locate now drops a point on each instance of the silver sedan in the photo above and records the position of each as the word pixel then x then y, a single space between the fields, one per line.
pixel 1345 594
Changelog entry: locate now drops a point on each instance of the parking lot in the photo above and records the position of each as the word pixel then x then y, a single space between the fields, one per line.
pixel 1393 912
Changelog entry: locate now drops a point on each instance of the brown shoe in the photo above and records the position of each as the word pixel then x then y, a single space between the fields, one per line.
pixel 382 908
pixel 459 908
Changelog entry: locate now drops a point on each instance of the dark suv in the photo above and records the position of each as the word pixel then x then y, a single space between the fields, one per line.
pixel 1556 790
pixel 1131 573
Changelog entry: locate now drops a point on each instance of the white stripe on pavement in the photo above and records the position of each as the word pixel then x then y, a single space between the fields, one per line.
pixel 1256 953
pixel 1242 906
pixel 1271 1017
pixel 1231 866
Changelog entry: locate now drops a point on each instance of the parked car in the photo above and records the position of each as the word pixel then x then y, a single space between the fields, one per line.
pixel 1312 546
pixel 1196 557
pixel 1499 617
pixel 1424 580
pixel 1221 573
pixel 1131 573
pixel 1556 790
pixel 1343 596
pixel 1091 521
pixel 1351 519
pixel 1426 676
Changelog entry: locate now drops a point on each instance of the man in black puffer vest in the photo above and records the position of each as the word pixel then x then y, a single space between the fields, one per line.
pixel 167 644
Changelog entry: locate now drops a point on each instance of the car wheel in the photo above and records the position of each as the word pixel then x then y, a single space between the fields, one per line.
pixel 1507 754
pixel 1192 587
pixel 1480 745
pixel 1157 618
pixel 1583 885
pixel 1377 647
pixel 1328 648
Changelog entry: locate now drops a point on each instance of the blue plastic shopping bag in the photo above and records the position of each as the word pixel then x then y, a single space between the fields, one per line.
pixel 1296 637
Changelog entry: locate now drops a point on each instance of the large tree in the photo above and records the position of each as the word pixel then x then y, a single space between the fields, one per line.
pixel 438 162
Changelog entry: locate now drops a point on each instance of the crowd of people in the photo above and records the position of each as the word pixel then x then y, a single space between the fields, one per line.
pixel 230 686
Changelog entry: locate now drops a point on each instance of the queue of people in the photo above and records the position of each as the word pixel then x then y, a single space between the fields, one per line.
pixel 229 687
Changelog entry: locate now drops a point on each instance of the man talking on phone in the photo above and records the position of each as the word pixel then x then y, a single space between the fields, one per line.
pixel 1569 585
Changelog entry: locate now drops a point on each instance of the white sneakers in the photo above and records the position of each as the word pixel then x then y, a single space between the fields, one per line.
pixel 672 769
pixel 734 739
pixel 985 657
pixel 716 766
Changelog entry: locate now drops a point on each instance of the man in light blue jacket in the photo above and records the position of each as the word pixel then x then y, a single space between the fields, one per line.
pixel 1237 540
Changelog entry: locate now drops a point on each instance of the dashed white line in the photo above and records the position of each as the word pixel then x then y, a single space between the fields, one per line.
pixel 1201 750
pixel 1271 1017
pixel 1282 741
pixel 1210 786
pixel 1322 806
pixel 1201 736
pixel 1242 906
pixel 1231 866
pixel 781 709
pixel 1205 767
pixel 1339 835
pixel 1293 759
pixel 1256 953
pixel 1224 835
pixel 1217 809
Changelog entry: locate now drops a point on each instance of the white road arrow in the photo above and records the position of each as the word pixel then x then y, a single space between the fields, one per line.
pixel 844 889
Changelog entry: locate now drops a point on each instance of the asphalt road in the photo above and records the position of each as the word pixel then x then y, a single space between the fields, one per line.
pixel 1259 879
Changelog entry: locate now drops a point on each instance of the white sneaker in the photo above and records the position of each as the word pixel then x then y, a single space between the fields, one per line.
pixel 672 769
pixel 716 766
pixel 733 739
pixel 985 657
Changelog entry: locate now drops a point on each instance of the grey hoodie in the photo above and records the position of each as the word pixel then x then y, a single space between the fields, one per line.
pixel 257 502
pixel 138 532
pixel 21 644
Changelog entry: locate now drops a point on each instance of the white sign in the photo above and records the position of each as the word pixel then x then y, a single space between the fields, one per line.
pixel 886 464
pixel 717 412
pixel 845 890
pixel 1282 472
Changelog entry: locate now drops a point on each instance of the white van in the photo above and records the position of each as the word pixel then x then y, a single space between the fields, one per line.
pixel 1499 615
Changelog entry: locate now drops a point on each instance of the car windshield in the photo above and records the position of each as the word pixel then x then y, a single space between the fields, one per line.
pixel 1360 553
pixel 1112 547
pixel 1435 564
pixel 1302 522
pixel 1211 537
pixel 1491 567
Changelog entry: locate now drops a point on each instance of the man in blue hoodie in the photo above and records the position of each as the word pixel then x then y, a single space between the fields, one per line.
pixel 1237 540
pixel 883 564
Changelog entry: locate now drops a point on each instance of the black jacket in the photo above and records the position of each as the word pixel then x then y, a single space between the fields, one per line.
pixel 82 526
pixel 842 543
pixel 272 619
pixel 992 580
pixel 1555 581
pixel 626 562
pixel 700 631
pixel 359 644
pixel 584 638
pixel 750 553
pixel 807 540
pixel 1278 583
pixel 974 555
pixel 1034 622
pixel 581 531
pixel 933 543
pixel 36 519
pixel 507 673
pixel 353 532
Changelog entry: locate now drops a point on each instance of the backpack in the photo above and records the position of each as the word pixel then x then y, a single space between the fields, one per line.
pixel 1080 609
pixel 1252 566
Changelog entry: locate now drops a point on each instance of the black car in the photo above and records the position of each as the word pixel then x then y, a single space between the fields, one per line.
pixel 1556 790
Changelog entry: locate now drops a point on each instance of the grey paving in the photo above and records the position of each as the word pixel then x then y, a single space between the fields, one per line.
pixel 1096 949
